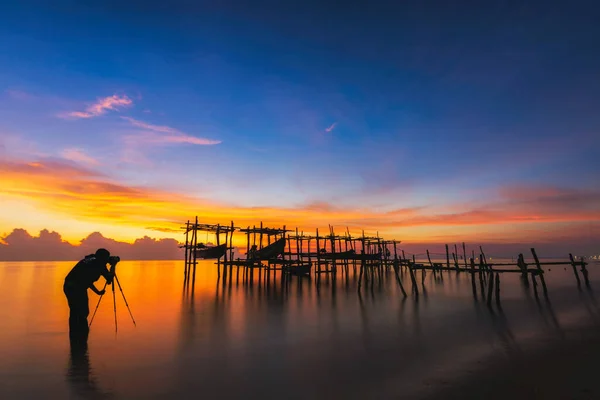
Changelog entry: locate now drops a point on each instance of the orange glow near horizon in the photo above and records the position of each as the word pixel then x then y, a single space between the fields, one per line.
pixel 75 202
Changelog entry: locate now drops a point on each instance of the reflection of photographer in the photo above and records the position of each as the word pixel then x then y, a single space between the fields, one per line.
pixel 82 276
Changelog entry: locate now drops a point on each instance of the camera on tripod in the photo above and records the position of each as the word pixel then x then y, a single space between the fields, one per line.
pixel 113 260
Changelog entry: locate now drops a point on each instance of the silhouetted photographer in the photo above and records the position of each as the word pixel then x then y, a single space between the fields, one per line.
pixel 78 281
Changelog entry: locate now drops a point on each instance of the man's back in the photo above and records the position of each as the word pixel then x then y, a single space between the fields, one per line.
pixel 86 272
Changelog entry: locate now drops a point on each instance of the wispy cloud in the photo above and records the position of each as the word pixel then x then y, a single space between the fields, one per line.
pixel 160 134
pixel 100 107
pixel 79 156
pixel 331 127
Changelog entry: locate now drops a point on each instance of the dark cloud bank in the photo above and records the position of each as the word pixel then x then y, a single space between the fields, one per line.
pixel 49 246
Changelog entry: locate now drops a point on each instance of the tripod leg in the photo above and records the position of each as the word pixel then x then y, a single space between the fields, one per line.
pixel 127 304
pixel 97 305
pixel 114 306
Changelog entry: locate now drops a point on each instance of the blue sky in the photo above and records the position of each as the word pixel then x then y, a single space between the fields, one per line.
pixel 369 104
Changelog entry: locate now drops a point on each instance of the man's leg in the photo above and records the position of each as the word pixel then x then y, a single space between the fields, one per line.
pixel 79 310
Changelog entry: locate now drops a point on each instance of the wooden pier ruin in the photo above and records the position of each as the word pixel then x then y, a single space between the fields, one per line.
pixel 295 253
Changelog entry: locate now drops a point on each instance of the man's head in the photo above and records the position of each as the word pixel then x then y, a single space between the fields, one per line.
pixel 102 255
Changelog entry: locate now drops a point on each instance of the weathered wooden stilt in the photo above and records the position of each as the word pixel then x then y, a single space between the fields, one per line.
pixel 490 288
pixel 497 289
pixel 535 284
pixel 575 270
pixel 195 247
pixel 430 263
pixel 412 276
pixel 396 270
pixel 361 273
pixel 473 285
pixel 455 256
pixel 218 243
pixel 584 272
pixel 187 232
pixel 541 272
pixel 481 279
pixel 523 266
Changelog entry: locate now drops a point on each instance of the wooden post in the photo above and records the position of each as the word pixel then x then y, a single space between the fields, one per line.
pixel 396 268
pixel 218 243
pixel 298 245
pixel 309 253
pixel 431 264
pixel 332 244
pixel 412 276
pixel 362 262
pixel 352 247
pixel 497 289
pixel 254 235
pixel 362 270
pixel 483 258
pixel 403 256
pixel 195 246
pixel 346 250
pixel 190 256
pixel 231 242
pixel 225 255
pixel 456 259
pixel 523 266
pixel 447 258
pixel 481 279
pixel 381 257
pixel 584 271
pixel 534 280
pixel 575 270
pixel 473 285
pixel 285 266
pixel 318 258
pixel 541 272
pixel 247 248
pixel 185 265
pixel 490 287
pixel 464 254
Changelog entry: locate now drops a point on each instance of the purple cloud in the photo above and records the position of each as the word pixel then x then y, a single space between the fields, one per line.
pixel 100 107
pixel 331 127
pixel 19 245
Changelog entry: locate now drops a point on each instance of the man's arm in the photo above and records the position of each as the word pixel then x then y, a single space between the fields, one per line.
pixel 95 290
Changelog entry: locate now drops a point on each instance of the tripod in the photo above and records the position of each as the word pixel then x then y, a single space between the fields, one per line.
pixel 115 278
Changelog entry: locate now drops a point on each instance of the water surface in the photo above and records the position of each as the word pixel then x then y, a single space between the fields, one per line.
pixel 232 339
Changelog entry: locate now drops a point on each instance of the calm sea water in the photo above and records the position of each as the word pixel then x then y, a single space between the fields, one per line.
pixel 237 340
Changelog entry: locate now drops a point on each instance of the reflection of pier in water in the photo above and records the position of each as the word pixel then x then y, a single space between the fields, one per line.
pixel 243 330
pixel 365 260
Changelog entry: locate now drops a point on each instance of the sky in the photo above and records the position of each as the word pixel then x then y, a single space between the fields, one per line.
pixel 428 122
